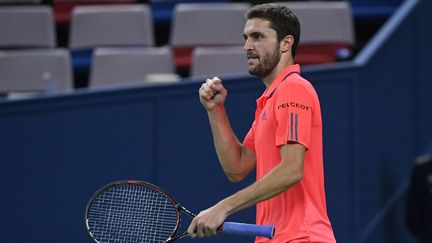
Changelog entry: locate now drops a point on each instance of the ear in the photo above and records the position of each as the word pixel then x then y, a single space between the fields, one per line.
pixel 286 43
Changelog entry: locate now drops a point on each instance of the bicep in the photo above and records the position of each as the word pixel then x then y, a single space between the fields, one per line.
pixel 248 158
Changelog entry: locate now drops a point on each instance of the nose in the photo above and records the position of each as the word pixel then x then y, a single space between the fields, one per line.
pixel 248 45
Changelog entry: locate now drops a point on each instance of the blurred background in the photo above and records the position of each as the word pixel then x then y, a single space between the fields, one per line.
pixel 94 91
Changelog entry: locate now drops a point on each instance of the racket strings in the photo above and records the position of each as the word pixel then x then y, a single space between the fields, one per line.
pixel 132 213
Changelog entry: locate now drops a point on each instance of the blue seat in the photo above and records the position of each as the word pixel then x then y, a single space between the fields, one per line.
pixel 367 9
pixel 163 10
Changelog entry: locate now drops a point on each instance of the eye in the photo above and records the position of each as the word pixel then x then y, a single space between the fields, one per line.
pixel 257 36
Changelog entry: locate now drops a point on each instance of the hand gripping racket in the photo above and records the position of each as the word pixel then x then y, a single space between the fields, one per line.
pixel 135 211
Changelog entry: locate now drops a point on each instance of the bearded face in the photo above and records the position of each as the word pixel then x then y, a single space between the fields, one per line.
pixel 262 64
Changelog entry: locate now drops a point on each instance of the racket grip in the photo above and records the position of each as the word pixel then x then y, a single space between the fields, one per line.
pixel 249 229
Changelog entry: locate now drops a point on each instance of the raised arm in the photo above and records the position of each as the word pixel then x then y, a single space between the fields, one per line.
pixel 236 160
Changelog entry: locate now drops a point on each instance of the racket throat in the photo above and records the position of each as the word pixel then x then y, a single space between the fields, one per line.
pixel 182 235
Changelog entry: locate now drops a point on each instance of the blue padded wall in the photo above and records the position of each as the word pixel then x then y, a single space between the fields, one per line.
pixel 56 150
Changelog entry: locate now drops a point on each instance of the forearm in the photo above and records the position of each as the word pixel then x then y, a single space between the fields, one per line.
pixel 275 182
pixel 228 148
pixel 235 160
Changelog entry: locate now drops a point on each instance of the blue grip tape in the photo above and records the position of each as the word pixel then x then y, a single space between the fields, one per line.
pixel 248 229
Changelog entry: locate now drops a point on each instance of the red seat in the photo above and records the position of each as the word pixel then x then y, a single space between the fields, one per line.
pixel 63 8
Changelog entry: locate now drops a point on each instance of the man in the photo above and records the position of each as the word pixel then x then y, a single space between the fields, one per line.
pixel 284 144
pixel 419 200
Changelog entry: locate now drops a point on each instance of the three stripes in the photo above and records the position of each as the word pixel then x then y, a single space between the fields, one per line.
pixel 293 135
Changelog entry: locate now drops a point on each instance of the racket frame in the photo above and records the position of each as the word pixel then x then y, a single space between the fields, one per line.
pixel 176 205
pixel 266 231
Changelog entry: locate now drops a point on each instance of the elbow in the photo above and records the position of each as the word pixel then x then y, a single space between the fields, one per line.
pixel 297 177
pixel 234 177
pixel 294 178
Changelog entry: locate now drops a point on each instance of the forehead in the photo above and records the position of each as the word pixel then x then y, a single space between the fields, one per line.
pixel 257 25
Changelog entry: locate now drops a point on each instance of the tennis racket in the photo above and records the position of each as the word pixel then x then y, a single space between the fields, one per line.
pixel 136 211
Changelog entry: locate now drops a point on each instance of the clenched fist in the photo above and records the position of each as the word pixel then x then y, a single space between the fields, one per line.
pixel 212 93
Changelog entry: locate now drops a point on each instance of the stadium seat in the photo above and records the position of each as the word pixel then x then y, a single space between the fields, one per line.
pixel 121 25
pixel 218 61
pixel 107 26
pixel 20 2
pixel 63 8
pixel 35 70
pixel 374 9
pixel 327 31
pixel 128 65
pixel 205 24
pixel 163 9
pixel 26 27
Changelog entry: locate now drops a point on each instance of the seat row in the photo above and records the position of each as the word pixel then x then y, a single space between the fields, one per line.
pixel 327 28
pixel 41 70
pixel 162 9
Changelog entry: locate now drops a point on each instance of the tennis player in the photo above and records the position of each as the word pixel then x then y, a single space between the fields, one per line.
pixel 284 143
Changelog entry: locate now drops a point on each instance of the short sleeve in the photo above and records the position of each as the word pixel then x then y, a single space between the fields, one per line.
pixel 249 140
pixel 293 113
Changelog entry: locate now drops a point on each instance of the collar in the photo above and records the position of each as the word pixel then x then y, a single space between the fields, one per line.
pixel 281 76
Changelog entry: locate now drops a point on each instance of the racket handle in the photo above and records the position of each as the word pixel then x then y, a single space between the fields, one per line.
pixel 249 229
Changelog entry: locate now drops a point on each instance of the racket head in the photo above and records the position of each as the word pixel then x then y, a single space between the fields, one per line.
pixel 131 211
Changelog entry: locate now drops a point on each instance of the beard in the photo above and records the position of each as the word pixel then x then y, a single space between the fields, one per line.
pixel 266 64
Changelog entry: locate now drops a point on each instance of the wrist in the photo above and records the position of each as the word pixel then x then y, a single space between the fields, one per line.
pixel 216 111
pixel 227 206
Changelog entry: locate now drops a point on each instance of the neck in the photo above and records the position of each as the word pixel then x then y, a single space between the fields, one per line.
pixel 283 63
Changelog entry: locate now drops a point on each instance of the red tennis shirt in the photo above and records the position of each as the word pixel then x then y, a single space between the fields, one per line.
pixel 289 112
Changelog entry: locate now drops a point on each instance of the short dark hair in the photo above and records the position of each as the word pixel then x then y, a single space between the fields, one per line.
pixel 282 20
